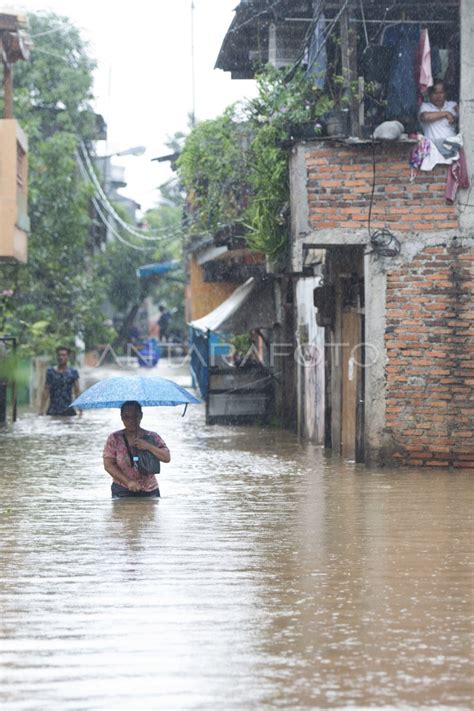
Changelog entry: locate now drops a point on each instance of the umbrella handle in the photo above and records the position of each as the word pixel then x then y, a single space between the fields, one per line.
pixel 185 408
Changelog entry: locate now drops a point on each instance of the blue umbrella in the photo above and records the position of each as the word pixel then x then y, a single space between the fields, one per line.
pixel 148 391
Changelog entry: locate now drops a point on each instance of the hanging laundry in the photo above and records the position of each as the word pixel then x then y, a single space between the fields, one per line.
pixel 425 155
pixel 436 63
pixel 418 154
pixel 449 147
pixel 435 157
pixel 452 76
pixel 317 56
pixel 458 177
pixel 377 62
pixel 444 61
pixel 402 84
pixel 423 65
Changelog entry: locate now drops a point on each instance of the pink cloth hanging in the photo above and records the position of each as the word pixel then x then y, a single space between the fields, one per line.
pixel 458 177
pixel 424 74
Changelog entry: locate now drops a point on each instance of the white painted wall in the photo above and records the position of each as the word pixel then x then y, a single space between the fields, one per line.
pixel 466 197
pixel 310 360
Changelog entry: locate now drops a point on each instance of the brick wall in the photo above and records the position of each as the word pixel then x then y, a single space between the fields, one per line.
pixel 340 186
pixel 430 348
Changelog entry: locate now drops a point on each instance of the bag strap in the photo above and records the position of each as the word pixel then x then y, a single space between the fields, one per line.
pixel 128 448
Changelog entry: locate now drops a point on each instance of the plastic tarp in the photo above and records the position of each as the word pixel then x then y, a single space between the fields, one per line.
pixel 251 305
pixel 158 268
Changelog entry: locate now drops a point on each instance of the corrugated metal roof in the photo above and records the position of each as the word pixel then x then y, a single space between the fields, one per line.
pixel 245 45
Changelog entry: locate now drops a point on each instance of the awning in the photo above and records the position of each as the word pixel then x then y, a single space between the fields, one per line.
pixel 252 305
pixel 158 268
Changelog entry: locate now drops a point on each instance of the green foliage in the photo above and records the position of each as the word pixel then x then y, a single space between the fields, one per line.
pixel 280 104
pixel 53 89
pixel 235 167
pixel 6 306
pixel 167 217
pixel 213 168
pixel 242 342
pixel 61 291
pixel 14 370
pixel 284 102
pixel 57 293
pixel 266 216
pixel 117 268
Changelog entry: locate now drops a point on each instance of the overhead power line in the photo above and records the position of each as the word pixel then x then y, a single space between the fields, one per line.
pixel 151 235
pixel 103 217
pixel 113 231
pixel 89 174
pixel 107 208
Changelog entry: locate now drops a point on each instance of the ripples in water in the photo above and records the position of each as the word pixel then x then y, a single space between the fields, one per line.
pixel 268 575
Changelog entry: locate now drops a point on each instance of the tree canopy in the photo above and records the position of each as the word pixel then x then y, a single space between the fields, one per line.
pixel 235 167
pixel 61 291
pixel 55 293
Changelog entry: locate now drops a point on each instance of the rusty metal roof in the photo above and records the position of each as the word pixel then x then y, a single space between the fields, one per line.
pixel 245 45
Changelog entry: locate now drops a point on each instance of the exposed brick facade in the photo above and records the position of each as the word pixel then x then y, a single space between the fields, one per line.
pixel 340 185
pixel 426 413
pixel 430 347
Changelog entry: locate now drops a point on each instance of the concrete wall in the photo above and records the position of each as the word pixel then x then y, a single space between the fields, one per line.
pixel 38 378
pixel 375 271
pixel 284 346
pixel 14 222
pixel 310 363
pixel 466 217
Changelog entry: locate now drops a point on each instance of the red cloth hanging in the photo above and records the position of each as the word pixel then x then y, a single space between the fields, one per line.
pixel 457 177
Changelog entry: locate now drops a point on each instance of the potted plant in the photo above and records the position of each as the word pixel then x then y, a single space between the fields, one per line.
pixel 337 119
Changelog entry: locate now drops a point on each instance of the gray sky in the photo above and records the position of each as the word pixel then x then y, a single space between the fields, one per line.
pixel 143 83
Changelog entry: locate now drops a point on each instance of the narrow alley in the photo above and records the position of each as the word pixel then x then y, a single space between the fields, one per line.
pixel 267 576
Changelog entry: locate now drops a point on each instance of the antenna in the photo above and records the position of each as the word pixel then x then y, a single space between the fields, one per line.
pixel 193 87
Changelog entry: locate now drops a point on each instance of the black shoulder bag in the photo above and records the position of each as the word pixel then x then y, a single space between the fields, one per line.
pixel 147 462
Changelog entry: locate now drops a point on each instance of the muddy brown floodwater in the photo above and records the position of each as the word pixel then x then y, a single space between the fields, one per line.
pixel 269 575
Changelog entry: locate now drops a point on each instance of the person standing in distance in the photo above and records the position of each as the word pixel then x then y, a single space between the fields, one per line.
pixel 61 386
pixel 163 322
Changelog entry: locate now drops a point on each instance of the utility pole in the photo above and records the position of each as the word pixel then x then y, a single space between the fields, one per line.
pixel 193 87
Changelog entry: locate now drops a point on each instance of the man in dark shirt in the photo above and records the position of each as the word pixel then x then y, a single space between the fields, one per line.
pixel 163 322
pixel 61 383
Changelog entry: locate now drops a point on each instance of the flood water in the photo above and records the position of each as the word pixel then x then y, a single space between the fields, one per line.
pixel 269 575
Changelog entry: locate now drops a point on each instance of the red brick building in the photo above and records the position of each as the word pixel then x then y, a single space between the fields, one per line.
pixel 379 276
pixel 405 319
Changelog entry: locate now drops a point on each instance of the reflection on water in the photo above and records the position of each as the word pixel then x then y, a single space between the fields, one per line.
pixel 268 575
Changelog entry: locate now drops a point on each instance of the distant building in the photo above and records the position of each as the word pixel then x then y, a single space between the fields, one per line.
pixel 14 221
